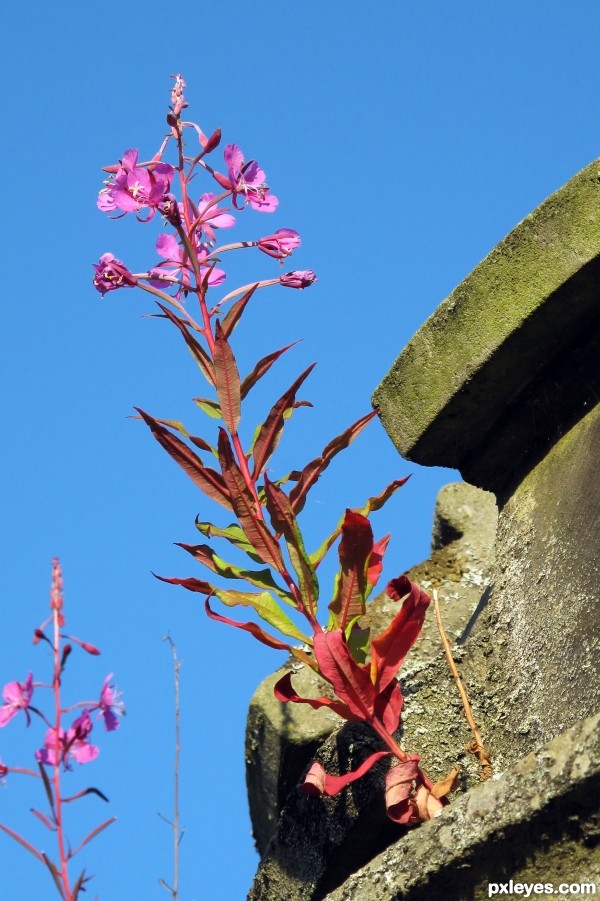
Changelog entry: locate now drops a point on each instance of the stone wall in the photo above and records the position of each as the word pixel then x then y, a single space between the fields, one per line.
pixel 502 383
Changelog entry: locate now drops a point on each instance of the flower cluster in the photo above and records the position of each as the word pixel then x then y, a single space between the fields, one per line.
pixel 188 255
pixel 60 745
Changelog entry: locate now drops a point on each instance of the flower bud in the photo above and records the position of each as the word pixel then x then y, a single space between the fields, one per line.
pixel 300 278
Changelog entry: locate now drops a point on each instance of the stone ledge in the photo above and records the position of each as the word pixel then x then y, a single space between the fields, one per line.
pixel 534 297
pixel 538 822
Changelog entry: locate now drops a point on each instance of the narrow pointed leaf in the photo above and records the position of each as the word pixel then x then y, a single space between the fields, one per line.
pixel 270 431
pixel 228 381
pixel 245 507
pixel 284 692
pixel 22 841
pixel 232 318
pixel 261 368
pixel 284 522
pixel 390 648
pixel 43 819
pixel 94 833
pixel 54 873
pixel 178 426
pixel 207 479
pixel 264 605
pixel 267 608
pixel 377 502
pixel 355 552
pixel 208 406
pixel 261 578
pixel 316 467
pixel 199 354
pixel 233 534
pixel 257 632
pixel 373 504
pixel 351 682
pixel 318 782
pixel 375 564
pixel 47 787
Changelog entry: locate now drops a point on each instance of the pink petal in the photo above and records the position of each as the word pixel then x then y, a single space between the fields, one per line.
pixel 168 248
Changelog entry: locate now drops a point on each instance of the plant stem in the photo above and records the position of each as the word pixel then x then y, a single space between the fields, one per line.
pixel 476 746
pixel 64 876
pixel 176 836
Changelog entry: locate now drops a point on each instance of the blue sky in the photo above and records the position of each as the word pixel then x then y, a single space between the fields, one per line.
pixel 404 141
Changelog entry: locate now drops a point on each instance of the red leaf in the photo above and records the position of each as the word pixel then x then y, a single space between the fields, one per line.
pixel 198 585
pixel 355 552
pixel 270 431
pixel 227 381
pixel 253 628
pixel 231 319
pixel 318 782
pixel 351 682
pixel 313 470
pixel 388 706
pixel 245 507
pixel 376 560
pixel 261 368
pixel 284 522
pixel 284 691
pixel 399 788
pixel 196 349
pixel 390 648
pixel 207 479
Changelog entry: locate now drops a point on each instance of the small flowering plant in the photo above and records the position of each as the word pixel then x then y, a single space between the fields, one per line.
pixel 61 746
pixel 280 574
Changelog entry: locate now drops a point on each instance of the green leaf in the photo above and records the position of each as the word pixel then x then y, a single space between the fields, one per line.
pixel 210 407
pixel 233 533
pixel 260 578
pixel 267 608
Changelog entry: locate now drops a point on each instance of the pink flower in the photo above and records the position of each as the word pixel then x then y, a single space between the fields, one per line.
pixel 110 274
pixel 281 244
pixel 300 278
pixel 210 216
pixel 73 742
pixel 168 247
pixel 247 180
pixel 3 770
pixel 111 707
pixel 17 697
pixel 134 188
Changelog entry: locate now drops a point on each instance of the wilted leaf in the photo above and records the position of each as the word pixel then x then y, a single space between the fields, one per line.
pixel 390 648
pixel 399 788
pixel 318 782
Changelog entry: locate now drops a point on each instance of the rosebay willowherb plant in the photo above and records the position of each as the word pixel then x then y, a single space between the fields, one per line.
pixel 360 668
pixel 60 746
